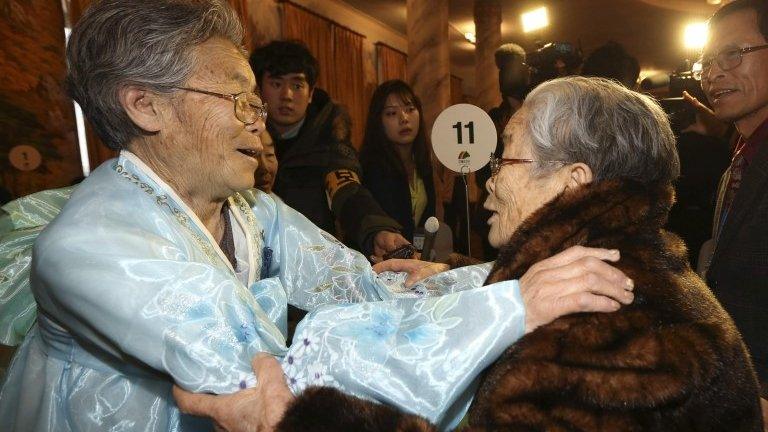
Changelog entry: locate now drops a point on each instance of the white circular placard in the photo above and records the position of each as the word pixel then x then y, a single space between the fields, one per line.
pixel 25 157
pixel 463 138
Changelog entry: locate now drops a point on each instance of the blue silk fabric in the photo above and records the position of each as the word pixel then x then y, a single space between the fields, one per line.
pixel 133 295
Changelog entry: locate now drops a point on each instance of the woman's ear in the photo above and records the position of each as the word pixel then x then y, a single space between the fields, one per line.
pixel 143 107
pixel 579 174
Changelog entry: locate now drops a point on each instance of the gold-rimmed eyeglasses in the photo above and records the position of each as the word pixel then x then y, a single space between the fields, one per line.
pixel 496 163
pixel 248 107
pixel 727 59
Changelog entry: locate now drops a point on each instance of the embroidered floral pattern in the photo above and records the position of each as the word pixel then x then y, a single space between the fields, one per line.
pixel 300 372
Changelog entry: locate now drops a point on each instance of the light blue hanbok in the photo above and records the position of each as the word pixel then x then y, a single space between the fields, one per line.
pixel 133 294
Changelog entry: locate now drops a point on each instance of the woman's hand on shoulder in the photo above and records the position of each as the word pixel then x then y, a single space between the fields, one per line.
pixel 417 270
pixel 576 280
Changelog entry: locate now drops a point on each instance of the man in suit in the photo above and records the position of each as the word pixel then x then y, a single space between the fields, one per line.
pixel 514 84
pixel 734 79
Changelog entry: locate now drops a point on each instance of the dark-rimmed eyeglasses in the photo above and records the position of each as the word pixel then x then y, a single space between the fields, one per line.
pixel 497 163
pixel 727 59
pixel 248 107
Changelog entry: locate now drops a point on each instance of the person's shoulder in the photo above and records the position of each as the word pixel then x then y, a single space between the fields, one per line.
pixel 105 203
pixel 334 115
pixel 37 209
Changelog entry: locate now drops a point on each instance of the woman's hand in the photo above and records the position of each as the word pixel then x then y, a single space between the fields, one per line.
pixel 257 409
pixel 416 269
pixel 575 280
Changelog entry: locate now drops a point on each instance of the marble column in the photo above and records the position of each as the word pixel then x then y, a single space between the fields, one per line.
pixel 429 71
pixel 488 35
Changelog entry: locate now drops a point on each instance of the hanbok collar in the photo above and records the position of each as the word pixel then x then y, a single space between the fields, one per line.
pixel 132 168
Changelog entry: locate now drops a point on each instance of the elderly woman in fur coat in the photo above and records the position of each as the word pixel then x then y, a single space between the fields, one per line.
pixel 588 162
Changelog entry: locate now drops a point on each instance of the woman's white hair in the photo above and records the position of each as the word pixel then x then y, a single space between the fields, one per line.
pixel 145 43
pixel 615 131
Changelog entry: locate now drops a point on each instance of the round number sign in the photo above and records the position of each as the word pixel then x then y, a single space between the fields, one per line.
pixel 25 157
pixel 463 137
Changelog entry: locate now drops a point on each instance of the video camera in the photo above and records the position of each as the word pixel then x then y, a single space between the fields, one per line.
pixel 681 113
pixel 553 60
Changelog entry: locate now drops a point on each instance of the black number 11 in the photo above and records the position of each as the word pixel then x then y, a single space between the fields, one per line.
pixel 470 127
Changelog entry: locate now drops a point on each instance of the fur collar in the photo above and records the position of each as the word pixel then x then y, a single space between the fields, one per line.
pixel 598 215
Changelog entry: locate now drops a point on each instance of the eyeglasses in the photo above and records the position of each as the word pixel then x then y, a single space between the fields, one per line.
pixel 497 163
pixel 726 60
pixel 248 107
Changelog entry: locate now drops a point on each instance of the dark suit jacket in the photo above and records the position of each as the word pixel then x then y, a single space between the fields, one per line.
pixel 391 191
pixel 738 273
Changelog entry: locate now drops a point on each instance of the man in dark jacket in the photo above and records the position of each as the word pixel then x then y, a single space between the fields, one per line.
pixel 514 82
pixel 733 78
pixel 319 173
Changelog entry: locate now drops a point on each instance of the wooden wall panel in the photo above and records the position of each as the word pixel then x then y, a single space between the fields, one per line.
pixel 34 110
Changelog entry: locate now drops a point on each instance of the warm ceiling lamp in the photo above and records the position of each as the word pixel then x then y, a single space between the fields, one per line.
pixel 714 2
pixel 535 19
pixel 695 36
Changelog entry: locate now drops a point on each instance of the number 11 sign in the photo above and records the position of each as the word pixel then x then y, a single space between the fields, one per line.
pixel 463 137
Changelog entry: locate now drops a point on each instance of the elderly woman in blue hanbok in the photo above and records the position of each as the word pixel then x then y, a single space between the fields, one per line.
pixel 165 267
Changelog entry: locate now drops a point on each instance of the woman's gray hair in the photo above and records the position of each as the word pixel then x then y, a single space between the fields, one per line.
pixel 617 132
pixel 146 43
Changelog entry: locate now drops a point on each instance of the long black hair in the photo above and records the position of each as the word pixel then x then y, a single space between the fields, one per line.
pixel 378 149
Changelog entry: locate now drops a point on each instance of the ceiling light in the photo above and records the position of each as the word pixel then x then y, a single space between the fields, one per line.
pixel 535 19
pixel 470 37
pixel 695 36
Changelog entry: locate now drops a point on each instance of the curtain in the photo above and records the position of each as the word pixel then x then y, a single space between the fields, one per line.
pixel 391 63
pixel 347 83
pixel 316 32
pixel 339 52
pixel 241 8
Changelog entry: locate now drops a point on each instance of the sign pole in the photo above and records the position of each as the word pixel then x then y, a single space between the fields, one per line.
pixel 462 137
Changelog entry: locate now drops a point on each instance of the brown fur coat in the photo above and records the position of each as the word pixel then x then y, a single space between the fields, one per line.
pixel 671 361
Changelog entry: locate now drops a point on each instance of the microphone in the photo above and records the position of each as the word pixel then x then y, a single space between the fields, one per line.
pixel 430 229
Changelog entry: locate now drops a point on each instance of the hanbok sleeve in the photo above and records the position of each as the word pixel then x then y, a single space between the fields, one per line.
pixel 314 267
pixel 422 355
pixel 21 221
pixel 140 299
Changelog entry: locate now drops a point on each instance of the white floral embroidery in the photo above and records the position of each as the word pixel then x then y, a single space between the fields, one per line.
pixel 304 346
pixel 317 375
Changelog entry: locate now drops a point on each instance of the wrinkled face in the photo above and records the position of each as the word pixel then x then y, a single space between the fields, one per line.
pixel 400 120
pixel 741 94
pixel 288 97
pixel 211 152
pixel 265 175
pixel 515 193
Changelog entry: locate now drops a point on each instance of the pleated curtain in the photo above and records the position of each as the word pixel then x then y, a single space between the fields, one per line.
pixel 392 63
pixel 339 52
